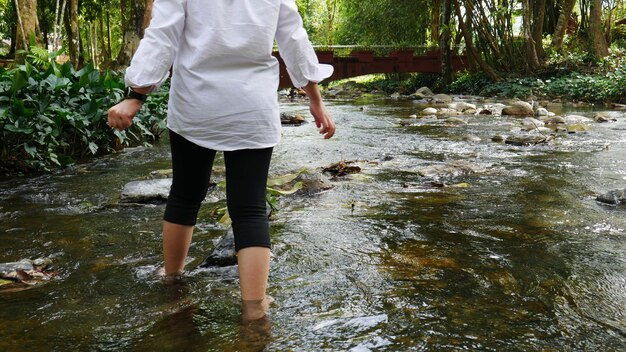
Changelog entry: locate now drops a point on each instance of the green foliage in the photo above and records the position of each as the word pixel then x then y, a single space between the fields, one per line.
pixel 51 114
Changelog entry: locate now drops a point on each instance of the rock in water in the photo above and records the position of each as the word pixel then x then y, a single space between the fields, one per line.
pixel 314 182
pixel 442 99
pixel 224 252
pixel 519 108
pixel 429 111
pixel 291 119
pixel 6 268
pixel 614 197
pixel 424 92
pixel 527 139
pixel 146 191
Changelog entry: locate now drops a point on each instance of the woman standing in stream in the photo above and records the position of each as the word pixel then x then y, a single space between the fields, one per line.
pixel 223 97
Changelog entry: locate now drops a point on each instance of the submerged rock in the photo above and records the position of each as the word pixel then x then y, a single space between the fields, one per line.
pixel 519 108
pixel 575 119
pixel 441 99
pixel 456 121
pixel 455 168
pixel 313 182
pixel 462 106
pixel 614 197
pixel 146 191
pixel 600 117
pixel 498 138
pixel 429 111
pixel 6 268
pixel 528 139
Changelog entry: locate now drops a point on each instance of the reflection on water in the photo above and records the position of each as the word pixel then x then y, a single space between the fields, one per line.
pixel 516 256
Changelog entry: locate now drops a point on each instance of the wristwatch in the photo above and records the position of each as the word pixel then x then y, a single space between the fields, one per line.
pixel 131 94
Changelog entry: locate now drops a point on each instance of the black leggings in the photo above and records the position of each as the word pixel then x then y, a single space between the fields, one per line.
pixel 246 180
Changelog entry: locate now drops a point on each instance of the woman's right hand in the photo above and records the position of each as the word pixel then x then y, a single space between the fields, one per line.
pixel 323 120
pixel 121 115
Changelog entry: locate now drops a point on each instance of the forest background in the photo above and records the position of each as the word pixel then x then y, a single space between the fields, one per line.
pixel 62 59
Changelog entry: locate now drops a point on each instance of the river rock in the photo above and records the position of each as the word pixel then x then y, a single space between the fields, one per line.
pixel 485 112
pixel 498 138
pixel 456 121
pixel 441 99
pixel 518 108
pixel 429 111
pixel 462 106
pixel 453 168
pixel 7 268
pixel 614 197
pixel 224 253
pixel 471 138
pixel 447 112
pixel 291 119
pixel 530 124
pixel 527 139
pixel 579 127
pixel 600 117
pixel 575 119
pixel 146 191
pixel 542 112
pixel 423 92
pixel 313 182
pixel 555 120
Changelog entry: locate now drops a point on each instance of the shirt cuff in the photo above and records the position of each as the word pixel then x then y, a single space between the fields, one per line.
pixel 307 72
pixel 141 77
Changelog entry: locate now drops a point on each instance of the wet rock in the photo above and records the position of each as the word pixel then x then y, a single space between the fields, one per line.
pixel 528 139
pixel 413 116
pixel 600 117
pixel 576 128
pixel 441 99
pixel 7 268
pixel 542 112
pixel 291 119
pixel 485 112
pixel 146 191
pixel 499 138
pixel 395 96
pixel 313 182
pixel 447 112
pixel 471 138
pixel 555 120
pixel 454 168
pixel 530 124
pixel 575 119
pixel 429 111
pixel 342 168
pixel 224 253
pixel 456 121
pixel 614 197
pixel 164 173
pixel 423 92
pixel 518 108
pixel 462 106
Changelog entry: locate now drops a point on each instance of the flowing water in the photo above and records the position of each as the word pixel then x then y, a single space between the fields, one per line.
pixel 518 257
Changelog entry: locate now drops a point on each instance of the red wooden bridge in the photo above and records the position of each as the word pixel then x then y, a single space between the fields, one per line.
pixel 363 62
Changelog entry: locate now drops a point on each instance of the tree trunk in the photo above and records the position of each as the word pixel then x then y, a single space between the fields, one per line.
pixel 444 42
pixel 132 23
pixel 71 27
pixel 596 32
pixel 539 18
pixel 105 53
pixel 147 16
pixel 531 53
pixel 435 34
pixel 27 25
pixel 561 25
pixel 470 46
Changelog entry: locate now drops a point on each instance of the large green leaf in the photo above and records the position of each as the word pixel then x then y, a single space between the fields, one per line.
pixel 296 187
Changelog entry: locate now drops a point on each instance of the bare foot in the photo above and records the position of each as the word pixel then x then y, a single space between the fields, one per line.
pixel 256 309
pixel 170 279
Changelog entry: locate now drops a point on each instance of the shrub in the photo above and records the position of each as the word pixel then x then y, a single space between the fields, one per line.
pixel 52 114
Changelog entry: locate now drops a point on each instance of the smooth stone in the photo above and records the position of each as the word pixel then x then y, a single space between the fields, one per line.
pixel 313 182
pixel 530 123
pixel 519 108
pixel 600 117
pixel 471 138
pixel 429 111
pixel 577 128
pixel 413 116
pixel 456 120
pixel 146 191
pixel 447 112
pixel 542 112
pixel 424 92
pixel 555 120
pixel 461 106
pixel 441 99
pixel 614 197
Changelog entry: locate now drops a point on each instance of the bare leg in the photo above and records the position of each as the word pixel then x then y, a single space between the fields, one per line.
pixel 254 268
pixel 176 241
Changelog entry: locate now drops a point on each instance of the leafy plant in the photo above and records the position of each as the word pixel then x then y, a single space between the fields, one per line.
pixel 52 115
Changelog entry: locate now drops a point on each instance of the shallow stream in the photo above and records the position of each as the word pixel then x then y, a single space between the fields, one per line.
pixel 518 256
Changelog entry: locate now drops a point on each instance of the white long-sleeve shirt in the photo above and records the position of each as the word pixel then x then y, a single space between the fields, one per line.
pixel 223 93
